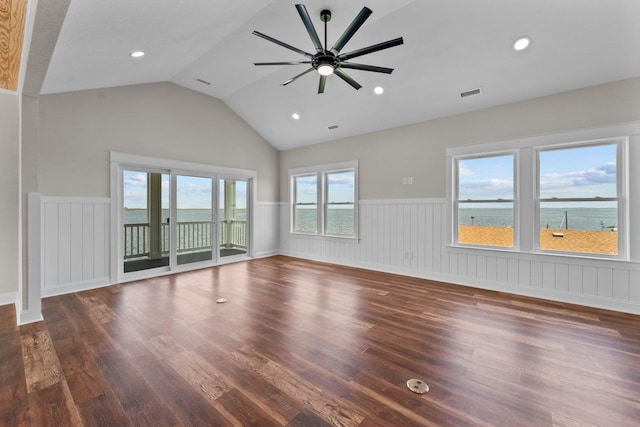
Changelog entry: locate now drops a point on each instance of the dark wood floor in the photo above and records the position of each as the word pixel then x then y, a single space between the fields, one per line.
pixel 308 344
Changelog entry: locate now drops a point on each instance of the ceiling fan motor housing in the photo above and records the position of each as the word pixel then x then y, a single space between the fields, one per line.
pixel 327 59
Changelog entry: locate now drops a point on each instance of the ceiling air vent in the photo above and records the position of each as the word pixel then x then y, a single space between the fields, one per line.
pixel 203 81
pixel 471 92
pixel 332 127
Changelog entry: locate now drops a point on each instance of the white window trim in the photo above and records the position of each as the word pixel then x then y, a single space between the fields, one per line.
pixel 629 203
pixel 621 198
pixel 321 171
pixel 456 201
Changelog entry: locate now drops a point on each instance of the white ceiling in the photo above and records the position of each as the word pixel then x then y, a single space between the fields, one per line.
pixel 449 47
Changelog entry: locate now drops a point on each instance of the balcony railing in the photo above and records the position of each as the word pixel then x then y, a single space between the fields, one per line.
pixel 193 236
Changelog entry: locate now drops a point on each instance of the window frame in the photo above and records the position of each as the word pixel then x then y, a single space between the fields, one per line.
pixel 322 205
pixel 626 134
pixel 514 200
pixel 621 144
pixel 295 204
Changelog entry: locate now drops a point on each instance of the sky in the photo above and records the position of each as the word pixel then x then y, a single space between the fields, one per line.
pixel 583 172
pixel 341 188
pixel 193 192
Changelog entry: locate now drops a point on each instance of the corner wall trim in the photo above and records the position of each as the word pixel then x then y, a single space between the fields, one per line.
pixel 30 298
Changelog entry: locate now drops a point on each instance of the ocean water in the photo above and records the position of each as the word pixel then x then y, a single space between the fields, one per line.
pixel 139 216
pixel 555 218
pixel 339 221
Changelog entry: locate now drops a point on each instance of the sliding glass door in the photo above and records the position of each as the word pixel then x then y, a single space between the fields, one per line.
pixel 175 220
pixel 233 213
pixel 194 219
pixel 145 200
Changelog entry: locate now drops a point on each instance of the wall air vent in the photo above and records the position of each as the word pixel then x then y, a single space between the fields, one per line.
pixel 203 81
pixel 471 92
pixel 332 127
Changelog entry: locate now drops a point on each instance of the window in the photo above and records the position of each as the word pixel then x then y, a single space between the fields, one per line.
pixel 558 194
pixel 305 214
pixel 323 200
pixel 578 199
pixel 484 204
pixel 340 203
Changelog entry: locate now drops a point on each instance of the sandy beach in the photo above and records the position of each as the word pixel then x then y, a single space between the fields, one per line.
pixel 599 242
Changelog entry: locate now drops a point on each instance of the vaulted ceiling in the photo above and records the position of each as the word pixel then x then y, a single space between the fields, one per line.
pixel 449 47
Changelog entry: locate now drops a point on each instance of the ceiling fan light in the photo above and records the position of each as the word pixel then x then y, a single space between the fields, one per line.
pixel 325 69
pixel 522 43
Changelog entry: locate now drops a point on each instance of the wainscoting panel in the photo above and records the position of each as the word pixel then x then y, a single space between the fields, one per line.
pixel 266 229
pixel 407 237
pixel 75 242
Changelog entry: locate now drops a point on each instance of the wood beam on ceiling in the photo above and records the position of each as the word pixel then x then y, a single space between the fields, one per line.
pixel 12 17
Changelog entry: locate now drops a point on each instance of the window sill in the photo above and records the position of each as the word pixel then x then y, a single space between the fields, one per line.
pixel 542 254
pixel 354 239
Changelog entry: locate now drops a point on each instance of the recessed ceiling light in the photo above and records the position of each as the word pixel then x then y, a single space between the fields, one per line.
pixel 522 43
pixel 136 54
pixel 379 90
pixel 295 116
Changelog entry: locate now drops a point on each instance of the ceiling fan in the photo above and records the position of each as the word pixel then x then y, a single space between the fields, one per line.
pixel 330 61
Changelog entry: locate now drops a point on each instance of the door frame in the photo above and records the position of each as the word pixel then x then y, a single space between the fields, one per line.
pixel 249 213
pixel 120 161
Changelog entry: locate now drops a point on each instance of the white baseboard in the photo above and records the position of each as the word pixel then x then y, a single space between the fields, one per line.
pixel 267 254
pixel 76 287
pixel 27 316
pixel 584 300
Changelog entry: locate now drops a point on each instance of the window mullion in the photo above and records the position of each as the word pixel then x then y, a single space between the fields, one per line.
pixel 321 203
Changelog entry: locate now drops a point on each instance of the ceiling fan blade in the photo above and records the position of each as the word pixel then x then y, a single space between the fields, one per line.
pixel 282 63
pixel 306 20
pixel 323 81
pixel 366 67
pixel 292 79
pixel 344 76
pixel 283 44
pixel 371 49
pixel 351 30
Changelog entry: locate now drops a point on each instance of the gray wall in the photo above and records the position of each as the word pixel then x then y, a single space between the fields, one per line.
pixel 9 177
pixel 77 130
pixel 419 150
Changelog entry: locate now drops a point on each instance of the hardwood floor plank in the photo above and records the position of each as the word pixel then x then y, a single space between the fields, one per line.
pixel 332 409
pixel 41 364
pixel 139 401
pixel 53 406
pixel 185 402
pixel 14 405
pixel 313 344
pixel 103 410
pixel 307 418
pixel 190 366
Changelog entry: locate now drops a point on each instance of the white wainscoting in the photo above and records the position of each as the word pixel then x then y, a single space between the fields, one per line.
pixel 76 241
pixel 407 237
pixel 266 228
pixel 75 244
